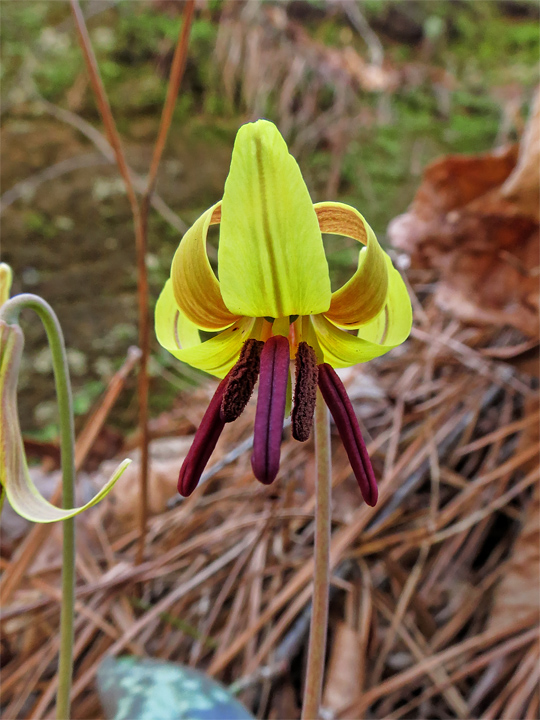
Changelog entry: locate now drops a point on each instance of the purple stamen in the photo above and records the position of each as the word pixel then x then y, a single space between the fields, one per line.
pixel 241 380
pixel 204 442
pixel 305 392
pixel 335 396
pixel 270 412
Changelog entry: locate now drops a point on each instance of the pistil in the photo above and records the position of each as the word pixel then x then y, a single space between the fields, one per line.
pixel 340 406
pixel 269 416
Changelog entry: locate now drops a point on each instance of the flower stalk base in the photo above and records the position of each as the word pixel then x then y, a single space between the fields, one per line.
pixel 321 580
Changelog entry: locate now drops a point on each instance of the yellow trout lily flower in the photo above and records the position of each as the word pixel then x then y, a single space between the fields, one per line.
pixel 273 303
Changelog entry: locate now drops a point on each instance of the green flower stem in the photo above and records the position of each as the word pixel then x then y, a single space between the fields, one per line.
pixel 10 313
pixel 321 580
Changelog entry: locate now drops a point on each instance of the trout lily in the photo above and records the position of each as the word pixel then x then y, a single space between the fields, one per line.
pixel 15 480
pixel 272 307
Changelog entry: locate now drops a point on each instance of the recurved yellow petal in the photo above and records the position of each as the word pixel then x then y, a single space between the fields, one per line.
pixel 341 349
pixel 173 329
pixel 393 324
pixel 22 494
pixel 363 296
pixel 217 355
pixel 195 286
pixel 27 501
pixel 271 257
pixel 6 276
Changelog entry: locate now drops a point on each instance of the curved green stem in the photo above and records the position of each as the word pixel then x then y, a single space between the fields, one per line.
pixel 321 581
pixel 10 313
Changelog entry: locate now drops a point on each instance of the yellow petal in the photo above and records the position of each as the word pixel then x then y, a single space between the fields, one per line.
pixel 341 349
pixel 195 286
pixel 393 324
pixel 217 355
pixel 22 494
pixel 6 277
pixel 271 257
pixel 173 330
pixel 364 295
pixel 27 501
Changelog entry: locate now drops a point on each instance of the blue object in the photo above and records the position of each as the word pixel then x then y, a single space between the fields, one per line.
pixel 132 688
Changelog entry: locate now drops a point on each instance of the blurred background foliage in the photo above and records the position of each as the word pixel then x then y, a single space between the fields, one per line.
pixel 366 94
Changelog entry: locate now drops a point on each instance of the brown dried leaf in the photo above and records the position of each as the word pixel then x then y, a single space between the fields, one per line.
pixel 342 683
pixel 475 220
pixel 522 185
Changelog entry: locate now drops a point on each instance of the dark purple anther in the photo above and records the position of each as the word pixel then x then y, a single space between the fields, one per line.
pixel 204 442
pixel 305 392
pixel 270 412
pixel 241 380
pixel 335 396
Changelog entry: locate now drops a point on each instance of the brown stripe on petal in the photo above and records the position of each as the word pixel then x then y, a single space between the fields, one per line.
pixel 204 442
pixel 241 380
pixel 305 392
pixel 335 396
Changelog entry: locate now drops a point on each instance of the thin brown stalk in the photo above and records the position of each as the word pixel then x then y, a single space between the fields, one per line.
pixel 140 219
pixel 321 580
pixel 140 245
pixel 103 105
pixel 177 72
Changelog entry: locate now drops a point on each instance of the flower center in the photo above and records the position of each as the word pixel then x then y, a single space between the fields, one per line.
pixel 270 411
pixel 269 361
